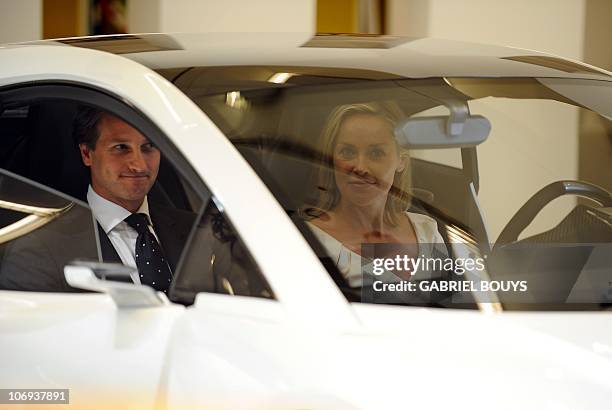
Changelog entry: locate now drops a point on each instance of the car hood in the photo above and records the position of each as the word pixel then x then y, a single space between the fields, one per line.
pixel 507 360
pixel 391 357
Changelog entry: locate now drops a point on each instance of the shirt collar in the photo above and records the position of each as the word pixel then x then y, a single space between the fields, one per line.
pixel 108 213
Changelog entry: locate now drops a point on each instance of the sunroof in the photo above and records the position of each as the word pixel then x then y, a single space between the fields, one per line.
pixel 126 43
pixel 324 40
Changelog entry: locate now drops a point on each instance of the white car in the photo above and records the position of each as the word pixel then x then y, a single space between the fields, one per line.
pixel 267 310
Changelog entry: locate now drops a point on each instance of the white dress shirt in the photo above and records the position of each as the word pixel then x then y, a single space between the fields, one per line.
pixel 111 217
pixel 349 263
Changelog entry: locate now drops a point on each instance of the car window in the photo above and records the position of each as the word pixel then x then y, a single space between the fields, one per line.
pixel 217 261
pixel 45 175
pixel 450 199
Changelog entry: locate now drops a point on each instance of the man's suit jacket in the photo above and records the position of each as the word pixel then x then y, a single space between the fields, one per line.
pixel 35 262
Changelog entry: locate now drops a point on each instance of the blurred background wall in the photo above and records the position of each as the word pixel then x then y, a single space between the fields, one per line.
pixel 220 16
pixel 578 29
pixel 20 20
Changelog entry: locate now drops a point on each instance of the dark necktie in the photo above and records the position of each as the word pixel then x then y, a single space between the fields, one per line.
pixel 150 260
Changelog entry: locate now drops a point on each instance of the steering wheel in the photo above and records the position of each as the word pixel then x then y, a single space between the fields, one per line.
pixel 540 199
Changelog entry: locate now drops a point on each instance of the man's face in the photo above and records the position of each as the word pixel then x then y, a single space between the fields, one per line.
pixel 124 164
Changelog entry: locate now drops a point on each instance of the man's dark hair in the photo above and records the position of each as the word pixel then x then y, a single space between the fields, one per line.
pixel 86 126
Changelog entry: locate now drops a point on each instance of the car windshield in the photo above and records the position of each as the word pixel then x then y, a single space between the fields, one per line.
pixel 450 192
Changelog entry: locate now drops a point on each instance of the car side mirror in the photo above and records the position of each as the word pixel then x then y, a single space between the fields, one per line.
pixel 85 275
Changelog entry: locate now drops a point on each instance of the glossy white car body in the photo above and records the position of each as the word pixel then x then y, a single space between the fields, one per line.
pixel 296 352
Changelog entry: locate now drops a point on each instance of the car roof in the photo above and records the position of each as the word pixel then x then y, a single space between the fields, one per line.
pixel 375 56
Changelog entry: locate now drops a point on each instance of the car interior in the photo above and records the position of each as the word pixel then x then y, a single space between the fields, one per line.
pixel 278 133
pixel 279 136
pixel 277 127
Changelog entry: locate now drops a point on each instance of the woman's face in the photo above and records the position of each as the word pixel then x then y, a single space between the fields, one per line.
pixel 366 159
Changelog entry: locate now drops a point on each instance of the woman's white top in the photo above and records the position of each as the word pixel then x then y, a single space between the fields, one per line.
pixel 349 262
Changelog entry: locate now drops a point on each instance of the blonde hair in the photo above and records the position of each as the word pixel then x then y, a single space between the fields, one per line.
pixel 398 199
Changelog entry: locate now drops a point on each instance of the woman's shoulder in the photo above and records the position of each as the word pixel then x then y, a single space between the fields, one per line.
pixel 315 225
pixel 421 218
pixel 322 235
pixel 425 227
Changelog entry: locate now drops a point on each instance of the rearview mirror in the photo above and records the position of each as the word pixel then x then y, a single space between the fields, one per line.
pixel 442 132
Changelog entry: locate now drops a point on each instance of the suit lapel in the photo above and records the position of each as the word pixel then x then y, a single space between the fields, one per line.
pixel 109 254
pixel 171 233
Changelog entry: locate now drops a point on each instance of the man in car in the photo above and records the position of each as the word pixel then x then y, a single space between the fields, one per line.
pixel 123 166
pixel 143 234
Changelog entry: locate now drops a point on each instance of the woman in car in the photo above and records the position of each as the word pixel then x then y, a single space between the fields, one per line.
pixel 364 195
